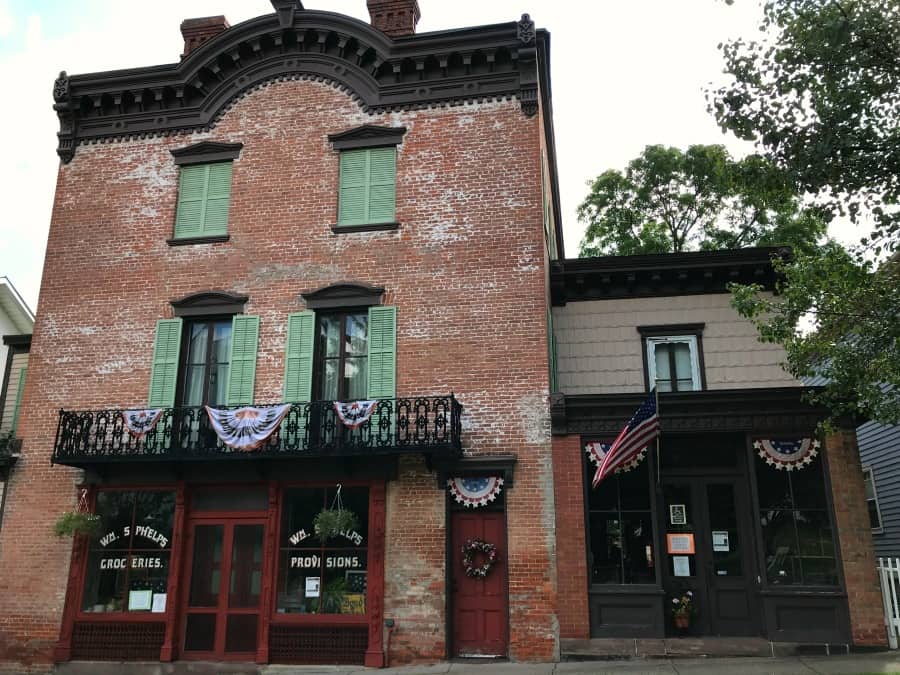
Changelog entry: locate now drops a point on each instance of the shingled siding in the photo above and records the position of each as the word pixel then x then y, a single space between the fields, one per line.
pixel 879 446
pixel 599 346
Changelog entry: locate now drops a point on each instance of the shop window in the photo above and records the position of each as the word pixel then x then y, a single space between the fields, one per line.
pixel 872 500
pixel 322 577
pixel 798 537
pixel 673 357
pixel 621 528
pixel 128 561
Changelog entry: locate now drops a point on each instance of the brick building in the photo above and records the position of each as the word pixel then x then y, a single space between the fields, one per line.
pixel 741 502
pixel 305 209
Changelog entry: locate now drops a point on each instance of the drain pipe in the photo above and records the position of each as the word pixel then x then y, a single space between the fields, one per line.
pixel 391 626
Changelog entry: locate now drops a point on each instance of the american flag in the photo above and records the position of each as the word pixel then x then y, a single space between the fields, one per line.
pixel 642 428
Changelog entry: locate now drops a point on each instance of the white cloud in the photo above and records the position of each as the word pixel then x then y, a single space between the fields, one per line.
pixel 7 22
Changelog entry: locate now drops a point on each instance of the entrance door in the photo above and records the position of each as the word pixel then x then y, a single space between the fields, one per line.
pixel 479 605
pixel 221 611
pixel 714 560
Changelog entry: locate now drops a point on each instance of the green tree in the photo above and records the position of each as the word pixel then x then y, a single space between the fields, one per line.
pixel 819 93
pixel 669 200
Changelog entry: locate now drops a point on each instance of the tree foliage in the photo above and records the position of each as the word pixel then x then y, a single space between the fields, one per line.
pixel 669 200
pixel 820 95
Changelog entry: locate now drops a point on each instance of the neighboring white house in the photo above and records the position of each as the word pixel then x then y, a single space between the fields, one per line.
pixel 16 324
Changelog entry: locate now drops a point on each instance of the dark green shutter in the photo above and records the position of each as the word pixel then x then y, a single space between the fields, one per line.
pixel 242 367
pixel 382 376
pixel 164 373
pixel 19 389
pixel 353 187
pixel 298 357
pixel 382 190
pixel 204 195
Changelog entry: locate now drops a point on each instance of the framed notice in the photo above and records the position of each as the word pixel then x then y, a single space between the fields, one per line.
pixel 720 541
pixel 138 600
pixel 312 587
pixel 159 603
pixel 677 514
pixel 681 543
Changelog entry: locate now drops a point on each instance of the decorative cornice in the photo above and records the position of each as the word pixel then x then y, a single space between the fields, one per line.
pixel 206 151
pixel 637 276
pixel 367 136
pixel 779 409
pixel 481 63
pixel 344 294
pixel 473 467
pixel 208 303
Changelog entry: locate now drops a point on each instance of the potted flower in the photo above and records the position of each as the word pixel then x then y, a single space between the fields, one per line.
pixel 75 523
pixel 682 609
pixel 332 522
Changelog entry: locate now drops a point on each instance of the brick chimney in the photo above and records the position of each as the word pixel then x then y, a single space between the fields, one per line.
pixel 197 31
pixel 394 18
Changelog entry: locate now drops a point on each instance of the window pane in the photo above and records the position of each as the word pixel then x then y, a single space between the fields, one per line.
pixel 207 566
pixel 683 368
pixel 356 376
pixel 867 482
pixel 357 334
pixel 193 387
pixel 330 335
pixel 246 566
pixel 330 390
pixel 817 557
pixel 779 545
pixel 343 589
pixel 222 342
pixel 808 486
pixel 773 486
pixel 874 519
pixel 663 371
pixel 634 488
pixel 606 548
pixel 198 341
pixel 723 518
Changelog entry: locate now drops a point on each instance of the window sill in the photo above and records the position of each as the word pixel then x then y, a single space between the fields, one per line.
pixel 187 241
pixel 365 227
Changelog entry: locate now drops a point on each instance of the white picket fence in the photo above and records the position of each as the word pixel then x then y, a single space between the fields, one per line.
pixel 889 575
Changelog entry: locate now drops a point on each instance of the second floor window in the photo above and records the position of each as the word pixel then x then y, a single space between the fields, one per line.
pixel 342 347
pixel 206 360
pixel 673 363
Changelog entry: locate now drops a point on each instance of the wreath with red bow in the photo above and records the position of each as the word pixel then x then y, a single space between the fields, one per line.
pixel 473 547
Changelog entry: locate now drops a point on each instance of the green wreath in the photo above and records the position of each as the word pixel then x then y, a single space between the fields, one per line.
pixel 469 549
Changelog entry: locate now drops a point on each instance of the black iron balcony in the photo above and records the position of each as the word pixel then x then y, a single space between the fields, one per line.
pixel 427 425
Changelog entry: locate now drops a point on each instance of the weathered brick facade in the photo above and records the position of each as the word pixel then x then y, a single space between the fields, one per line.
pixel 466 271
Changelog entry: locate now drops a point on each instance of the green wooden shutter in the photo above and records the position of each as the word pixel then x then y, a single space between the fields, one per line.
pixel 382 376
pixel 298 357
pixel 164 374
pixel 191 200
pixel 382 189
pixel 19 389
pixel 353 187
pixel 218 198
pixel 242 367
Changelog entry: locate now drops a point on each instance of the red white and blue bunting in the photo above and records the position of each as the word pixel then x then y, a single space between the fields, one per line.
pixel 789 454
pixel 141 422
pixel 475 492
pixel 353 414
pixel 247 428
pixel 596 451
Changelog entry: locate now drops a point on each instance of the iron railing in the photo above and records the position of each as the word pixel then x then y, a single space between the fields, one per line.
pixel 424 425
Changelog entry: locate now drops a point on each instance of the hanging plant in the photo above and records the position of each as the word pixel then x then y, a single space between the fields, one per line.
pixel 74 523
pixel 333 521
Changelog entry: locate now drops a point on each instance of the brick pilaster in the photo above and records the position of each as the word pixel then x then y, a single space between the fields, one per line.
pixel 570 528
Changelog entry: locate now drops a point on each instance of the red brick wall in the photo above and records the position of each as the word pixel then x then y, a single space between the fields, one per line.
pixel 466 270
pixel 855 535
pixel 570 545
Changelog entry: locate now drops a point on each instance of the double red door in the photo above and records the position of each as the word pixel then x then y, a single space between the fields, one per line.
pixel 479 606
pixel 221 611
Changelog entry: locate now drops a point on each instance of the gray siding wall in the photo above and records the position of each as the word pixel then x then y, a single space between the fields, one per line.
pixel 599 347
pixel 879 448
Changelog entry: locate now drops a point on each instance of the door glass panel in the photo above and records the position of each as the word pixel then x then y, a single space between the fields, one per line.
pixel 200 633
pixel 246 566
pixel 680 519
pixel 240 632
pixel 726 544
pixel 207 566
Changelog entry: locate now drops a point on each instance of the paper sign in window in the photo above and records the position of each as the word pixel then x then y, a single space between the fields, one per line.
pixel 680 543
pixel 720 541
pixel 681 565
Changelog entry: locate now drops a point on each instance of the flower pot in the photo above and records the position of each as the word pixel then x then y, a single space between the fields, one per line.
pixel 682 621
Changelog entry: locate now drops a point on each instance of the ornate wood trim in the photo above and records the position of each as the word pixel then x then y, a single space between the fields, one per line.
pixel 173 601
pixel 209 302
pixel 270 554
pixel 205 152
pixel 367 136
pixel 343 294
pixel 375 584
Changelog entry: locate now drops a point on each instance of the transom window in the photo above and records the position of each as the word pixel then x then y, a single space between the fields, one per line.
pixel 342 348
pixel 673 363
pixel 206 361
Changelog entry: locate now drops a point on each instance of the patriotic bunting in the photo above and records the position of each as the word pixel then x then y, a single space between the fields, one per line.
pixel 354 413
pixel 596 452
pixel 141 422
pixel 475 492
pixel 246 428
pixel 787 454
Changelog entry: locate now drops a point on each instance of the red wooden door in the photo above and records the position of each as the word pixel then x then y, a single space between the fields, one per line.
pixel 479 605
pixel 222 607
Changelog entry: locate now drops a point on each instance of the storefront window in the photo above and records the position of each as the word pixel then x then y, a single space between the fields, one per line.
pixel 128 561
pixel 796 525
pixel 621 529
pixel 316 577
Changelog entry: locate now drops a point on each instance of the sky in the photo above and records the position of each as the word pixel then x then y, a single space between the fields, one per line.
pixel 649 63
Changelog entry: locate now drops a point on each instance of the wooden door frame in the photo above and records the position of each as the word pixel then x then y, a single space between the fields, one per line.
pixel 228 519
pixel 452 556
